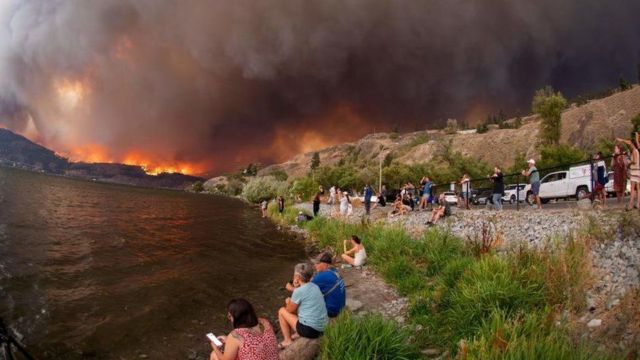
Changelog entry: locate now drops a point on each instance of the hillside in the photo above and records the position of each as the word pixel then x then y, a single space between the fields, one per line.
pixel 19 152
pixel 582 126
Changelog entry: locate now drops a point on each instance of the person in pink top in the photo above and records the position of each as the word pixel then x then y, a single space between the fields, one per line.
pixel 251 338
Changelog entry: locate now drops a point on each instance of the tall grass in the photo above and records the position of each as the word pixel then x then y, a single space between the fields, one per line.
pixel 456 293
pixel 365 338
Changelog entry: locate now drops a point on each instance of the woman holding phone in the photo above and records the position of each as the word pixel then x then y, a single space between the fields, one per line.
pixel 251 338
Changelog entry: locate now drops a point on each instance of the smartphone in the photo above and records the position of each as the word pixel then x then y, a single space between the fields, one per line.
pixel 214 339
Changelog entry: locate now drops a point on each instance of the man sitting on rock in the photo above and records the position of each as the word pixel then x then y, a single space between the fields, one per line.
pixel 330 283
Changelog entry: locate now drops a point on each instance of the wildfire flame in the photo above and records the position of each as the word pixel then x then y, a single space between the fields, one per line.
pixel 100 154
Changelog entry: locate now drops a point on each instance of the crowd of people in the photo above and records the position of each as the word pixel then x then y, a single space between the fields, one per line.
pixel 318 294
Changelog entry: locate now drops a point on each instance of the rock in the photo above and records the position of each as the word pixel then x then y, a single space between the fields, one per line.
pixel 353 305
pixel 431 352
pixel 301 349
pixel 594 323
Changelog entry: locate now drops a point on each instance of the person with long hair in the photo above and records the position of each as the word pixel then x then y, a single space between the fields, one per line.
pixel 634 171
pixel 252 338
pixel 619 166
pixel 357 255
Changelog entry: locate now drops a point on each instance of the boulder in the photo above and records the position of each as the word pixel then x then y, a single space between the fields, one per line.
pixel 301 349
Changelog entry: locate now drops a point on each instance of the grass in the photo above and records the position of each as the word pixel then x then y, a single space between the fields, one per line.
pixel 502 306
pixel 364 338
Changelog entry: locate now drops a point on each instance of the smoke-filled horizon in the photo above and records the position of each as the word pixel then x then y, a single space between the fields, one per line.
pixel 213 85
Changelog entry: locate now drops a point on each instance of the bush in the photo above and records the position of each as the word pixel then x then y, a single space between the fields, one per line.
pixel 527 336
pixel 261 188
pixel 368 337
pixel 549 104
pixel 557 155
pixel 197 186
pixel 482 128
pixel 306 187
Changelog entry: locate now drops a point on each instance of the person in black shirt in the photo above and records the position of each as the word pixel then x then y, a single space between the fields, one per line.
pixel 498 188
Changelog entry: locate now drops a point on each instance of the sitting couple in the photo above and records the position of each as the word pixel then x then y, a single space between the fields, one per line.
pixel 314 300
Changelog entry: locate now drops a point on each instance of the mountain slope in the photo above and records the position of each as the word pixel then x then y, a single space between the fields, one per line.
pixel 582 126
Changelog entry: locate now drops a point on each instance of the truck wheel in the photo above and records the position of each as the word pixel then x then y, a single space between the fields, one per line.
pixel 512 199
pixel 581 192
pixel 544 201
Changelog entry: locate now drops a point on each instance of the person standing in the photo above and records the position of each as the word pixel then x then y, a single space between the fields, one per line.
pixel 634 171
pixel 426 192
pixel 498 188
pixel 465 183
pixel 332 195
pixel 600 176
pixel 316 204
pixel 280 205
pixel 534 181
pixel 264 206
pixel 368 193
pixel 619 166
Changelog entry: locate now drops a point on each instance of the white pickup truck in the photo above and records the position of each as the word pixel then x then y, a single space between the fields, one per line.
pixel 511 193
pixel 564 184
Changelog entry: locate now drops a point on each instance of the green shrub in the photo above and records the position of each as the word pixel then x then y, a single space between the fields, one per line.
pixel 260 188
pixel 306 187
pixel 368 337
pixel 527 336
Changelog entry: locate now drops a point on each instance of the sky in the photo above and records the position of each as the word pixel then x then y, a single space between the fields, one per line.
pixel 210 86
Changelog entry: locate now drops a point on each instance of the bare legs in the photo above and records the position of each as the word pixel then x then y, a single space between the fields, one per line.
pixel 288 323
pixel 348 259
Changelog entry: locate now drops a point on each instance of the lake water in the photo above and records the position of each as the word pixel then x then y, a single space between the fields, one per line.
pixel 102 271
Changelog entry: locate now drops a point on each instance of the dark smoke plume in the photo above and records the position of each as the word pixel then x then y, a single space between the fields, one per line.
pixel 222 83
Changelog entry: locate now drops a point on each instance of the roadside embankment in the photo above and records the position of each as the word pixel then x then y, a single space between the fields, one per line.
pixel 482 278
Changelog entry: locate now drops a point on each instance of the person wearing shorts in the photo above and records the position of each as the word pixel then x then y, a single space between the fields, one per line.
pixel 305 311
pixel 534 181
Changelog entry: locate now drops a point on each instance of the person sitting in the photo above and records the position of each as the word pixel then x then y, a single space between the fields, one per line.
pixel 305 311
pixel 330 283
pixel 357 250
pixel 251 338
pixel 441 212
pixel 399 208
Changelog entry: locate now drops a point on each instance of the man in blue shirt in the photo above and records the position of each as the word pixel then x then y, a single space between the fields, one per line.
pixel 368 193
pixel 330 283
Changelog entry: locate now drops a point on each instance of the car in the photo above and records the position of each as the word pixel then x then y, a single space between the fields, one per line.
pixel 609 186
pixel 482 197
pixel 511 194
pixel 451 198
pixel 575 183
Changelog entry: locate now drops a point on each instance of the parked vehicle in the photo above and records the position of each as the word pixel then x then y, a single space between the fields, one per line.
pixel 575 183
pixel 482 198
pixel 451 198
pixel 511 194
pixel 609 187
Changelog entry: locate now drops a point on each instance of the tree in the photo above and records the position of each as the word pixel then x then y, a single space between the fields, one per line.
pixel 197 187
pixel 315 161
pixel 549 105
pixel 251 170
pixel 624 85
pixel 452 126
pixel 482 128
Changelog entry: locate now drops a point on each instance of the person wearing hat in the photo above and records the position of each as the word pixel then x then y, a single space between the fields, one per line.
pixel 534 181
pixel 330 283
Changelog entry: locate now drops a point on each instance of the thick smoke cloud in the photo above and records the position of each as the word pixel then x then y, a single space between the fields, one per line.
pixel 222 83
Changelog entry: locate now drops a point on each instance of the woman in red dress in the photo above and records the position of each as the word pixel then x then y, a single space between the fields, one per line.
pixel 251 338
pixel 619 166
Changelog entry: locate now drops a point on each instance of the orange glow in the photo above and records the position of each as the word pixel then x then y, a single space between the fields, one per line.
pixel 70 93
pixel 100 154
